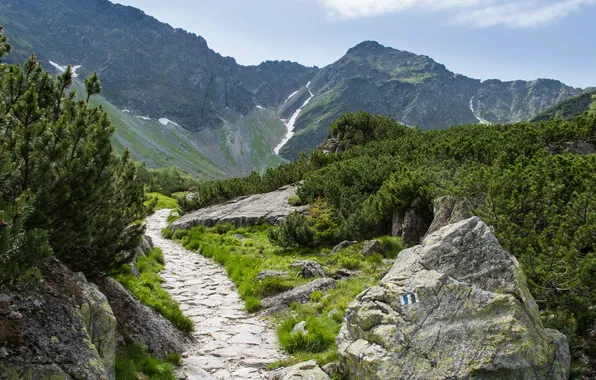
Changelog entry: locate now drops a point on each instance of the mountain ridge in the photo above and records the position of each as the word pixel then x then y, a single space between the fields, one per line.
pixel 157 71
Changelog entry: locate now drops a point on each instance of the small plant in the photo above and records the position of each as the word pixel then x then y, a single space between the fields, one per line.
pixel 174 358
pixel 134 362
pixel 167 233
pixel 320 336
pixel 295 201
pixel 316 296
pixel 222 229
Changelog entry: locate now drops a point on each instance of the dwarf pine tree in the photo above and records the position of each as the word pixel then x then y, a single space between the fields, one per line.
pixel 61 181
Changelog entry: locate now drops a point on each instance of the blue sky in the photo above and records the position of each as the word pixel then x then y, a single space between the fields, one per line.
pixel 504 39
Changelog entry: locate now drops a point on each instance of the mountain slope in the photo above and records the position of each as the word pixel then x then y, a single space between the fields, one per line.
pixel 157 71
pixel 570 108
pixel 236 116
pixel 415 90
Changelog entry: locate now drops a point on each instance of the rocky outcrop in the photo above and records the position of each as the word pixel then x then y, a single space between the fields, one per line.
pixel 300 294
pixel 456 306
pixel 271 273
pixel 448 210
pixel 65 330
pixel 138 323
pixel 308 268
pixel 271 207
pixel 411 225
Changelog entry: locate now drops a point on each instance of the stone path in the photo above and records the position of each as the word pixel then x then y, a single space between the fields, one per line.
pixel 230 344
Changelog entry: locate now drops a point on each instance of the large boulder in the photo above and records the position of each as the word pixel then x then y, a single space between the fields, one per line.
pixel 138 323
pixel 448 210
pixel 63 330
pixel 411 224
pixel 457 307
pixel 271 207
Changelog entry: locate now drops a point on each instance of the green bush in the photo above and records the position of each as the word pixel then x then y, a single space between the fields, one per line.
pixel 148 289
pixel 294 231
pixel 167 233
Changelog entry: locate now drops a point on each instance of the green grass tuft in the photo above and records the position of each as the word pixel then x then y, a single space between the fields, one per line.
pixel 134 362
pixel 320 336
pixel 163 201
pixel 148 289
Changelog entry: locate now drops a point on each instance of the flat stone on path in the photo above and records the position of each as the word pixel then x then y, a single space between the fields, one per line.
pixel 230 344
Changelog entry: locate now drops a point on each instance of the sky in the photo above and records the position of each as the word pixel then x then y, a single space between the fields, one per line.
pixel 483 39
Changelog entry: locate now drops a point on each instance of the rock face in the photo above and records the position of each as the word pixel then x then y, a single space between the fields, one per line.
pixel 309 268
pixel 456 306
pixel 65 330
pixel 138 323
pixel 448 210
pixel 300 294
pixel 412 224
pixel 272 207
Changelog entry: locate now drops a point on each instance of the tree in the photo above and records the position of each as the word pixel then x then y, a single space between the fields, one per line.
pixel 56 153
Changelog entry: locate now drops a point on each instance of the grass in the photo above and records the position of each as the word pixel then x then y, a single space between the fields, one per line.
pixel 244 259
pixel 133 362
pixel 163 201
pixel 147 288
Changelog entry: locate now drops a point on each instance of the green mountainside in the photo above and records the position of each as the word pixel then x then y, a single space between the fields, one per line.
pixel 570 108
pixel 415 90
pixel 234 116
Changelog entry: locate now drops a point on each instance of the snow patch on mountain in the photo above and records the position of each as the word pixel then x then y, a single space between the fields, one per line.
pixel 143 117
pixel 165 121
pixel 290 124
pixel 481 120
pixel 62 69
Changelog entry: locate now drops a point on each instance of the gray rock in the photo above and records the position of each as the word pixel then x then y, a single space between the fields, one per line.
pixel 146 245
pixel 343 245
pixel 58 332
pixel 138 323
pixel 271 273
pixel 100 323
pixel 581 147
pixel 245 211
pixel 309 268
pixel 448 210
pixel 411 225
pixel 331 369
pixel 300 328
pixel 149 240
pixel 457 306
pixel 371 247
pixel 307 370
pixel 300 294
pixel 239 237
pixel 343 273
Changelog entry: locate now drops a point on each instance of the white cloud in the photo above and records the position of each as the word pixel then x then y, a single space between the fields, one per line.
pixel 475 13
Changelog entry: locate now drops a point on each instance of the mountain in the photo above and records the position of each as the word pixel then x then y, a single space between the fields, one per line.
pixel 158 72
pixel 570 108
pixel 234 117
pixel 415 90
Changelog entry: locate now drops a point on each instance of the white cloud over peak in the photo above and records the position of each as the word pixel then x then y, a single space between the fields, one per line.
pixel 474 13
